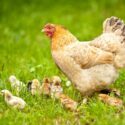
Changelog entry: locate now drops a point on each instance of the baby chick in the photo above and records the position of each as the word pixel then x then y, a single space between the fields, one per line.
pixel 67 102
pixel 55 87
pixel 113 101
pixel 15 83
pixel 34 86
pixel 13 101
pixel 45 88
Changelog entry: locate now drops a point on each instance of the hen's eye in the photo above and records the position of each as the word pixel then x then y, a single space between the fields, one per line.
pixel 49 27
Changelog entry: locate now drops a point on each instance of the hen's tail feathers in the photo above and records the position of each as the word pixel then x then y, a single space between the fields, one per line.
pixel 114 25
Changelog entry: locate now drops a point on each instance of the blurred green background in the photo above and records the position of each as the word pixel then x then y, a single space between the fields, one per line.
pixel 25 52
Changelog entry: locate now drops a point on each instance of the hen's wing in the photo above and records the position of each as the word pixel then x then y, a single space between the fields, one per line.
pixel 87 56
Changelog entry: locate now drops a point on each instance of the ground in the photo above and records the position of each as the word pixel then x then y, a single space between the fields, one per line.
pixel 25 52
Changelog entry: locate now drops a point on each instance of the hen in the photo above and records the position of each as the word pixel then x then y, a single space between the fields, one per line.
pixel 89 65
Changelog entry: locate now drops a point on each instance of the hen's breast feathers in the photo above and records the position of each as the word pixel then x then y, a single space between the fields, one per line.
pixel 87 56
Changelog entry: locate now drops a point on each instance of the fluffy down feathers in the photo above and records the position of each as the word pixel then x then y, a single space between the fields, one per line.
pixel 13 101
pixel 16 84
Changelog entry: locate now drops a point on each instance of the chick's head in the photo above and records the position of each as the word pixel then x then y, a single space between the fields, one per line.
pixel 56 79
pixel 12 79
pixel 35 83
pixel 6 93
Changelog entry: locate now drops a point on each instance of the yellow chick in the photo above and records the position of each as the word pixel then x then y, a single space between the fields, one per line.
pixel 35 87
pixel 15 83
pixel 13 101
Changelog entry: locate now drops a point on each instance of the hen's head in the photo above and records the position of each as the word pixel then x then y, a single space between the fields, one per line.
pixel 59 35
pixel 49 30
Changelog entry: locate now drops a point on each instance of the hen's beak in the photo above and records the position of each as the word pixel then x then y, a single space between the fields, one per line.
pixel 43 30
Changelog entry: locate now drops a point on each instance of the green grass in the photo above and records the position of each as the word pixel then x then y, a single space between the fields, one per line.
pixel 25 52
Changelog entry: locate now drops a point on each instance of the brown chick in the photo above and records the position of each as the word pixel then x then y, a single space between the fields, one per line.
pixel 45 88
pixel 89 68
pixel 67 102
pixel 113 101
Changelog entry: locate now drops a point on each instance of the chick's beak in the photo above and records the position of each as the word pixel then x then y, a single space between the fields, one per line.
pixel 2 93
